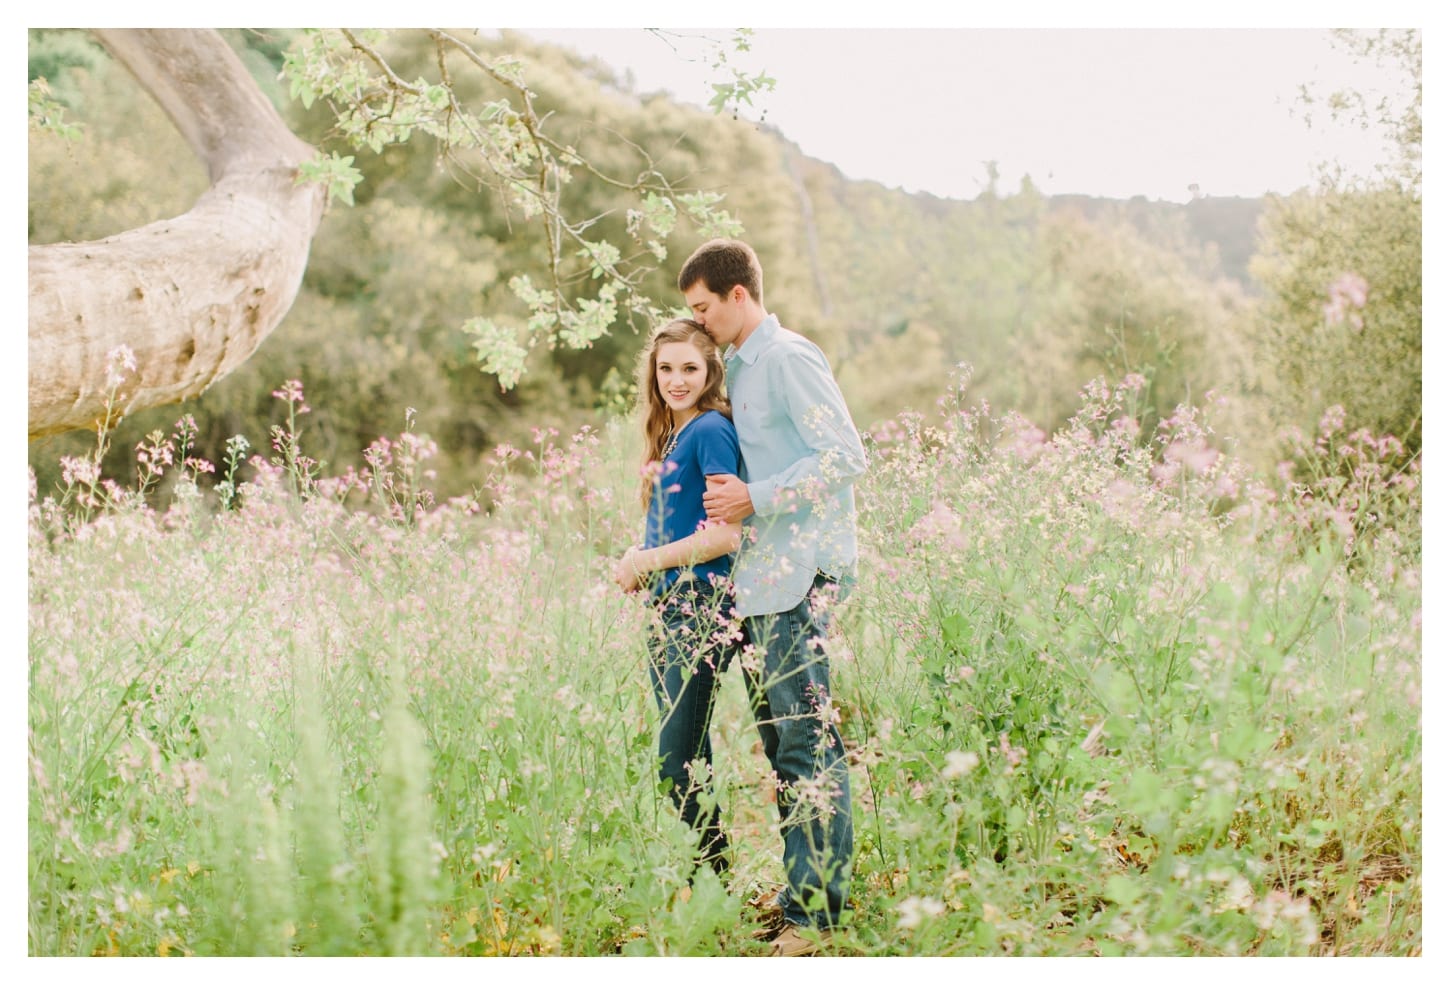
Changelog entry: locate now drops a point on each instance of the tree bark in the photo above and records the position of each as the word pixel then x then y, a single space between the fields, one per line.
pixel 192 297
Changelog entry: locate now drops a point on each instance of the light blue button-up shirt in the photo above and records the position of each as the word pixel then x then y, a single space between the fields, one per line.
pixel 801 454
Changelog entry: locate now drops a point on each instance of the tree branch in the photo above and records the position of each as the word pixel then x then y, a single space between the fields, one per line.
pixel 191 297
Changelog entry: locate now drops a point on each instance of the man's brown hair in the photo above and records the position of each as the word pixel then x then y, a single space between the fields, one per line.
pixel 721 264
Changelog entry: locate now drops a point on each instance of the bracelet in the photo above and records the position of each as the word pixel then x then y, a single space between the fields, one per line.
pixel 639 575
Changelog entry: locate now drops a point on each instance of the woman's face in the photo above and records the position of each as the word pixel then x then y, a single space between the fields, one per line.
pixel 680 375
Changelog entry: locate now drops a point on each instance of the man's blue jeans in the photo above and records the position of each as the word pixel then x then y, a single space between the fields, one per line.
pixel 788 682
pixel 691 645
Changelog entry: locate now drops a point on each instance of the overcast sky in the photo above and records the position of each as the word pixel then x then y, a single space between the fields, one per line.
pixel 1108 111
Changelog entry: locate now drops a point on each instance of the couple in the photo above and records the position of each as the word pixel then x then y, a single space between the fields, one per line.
pixel 790 512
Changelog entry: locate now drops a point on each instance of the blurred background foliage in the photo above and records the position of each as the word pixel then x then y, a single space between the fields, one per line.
pixel 1037 294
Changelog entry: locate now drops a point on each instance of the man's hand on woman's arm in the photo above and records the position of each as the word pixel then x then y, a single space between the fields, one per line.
pixel 727 499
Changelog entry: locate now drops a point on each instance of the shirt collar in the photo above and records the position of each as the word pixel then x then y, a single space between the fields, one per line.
pixel 755 345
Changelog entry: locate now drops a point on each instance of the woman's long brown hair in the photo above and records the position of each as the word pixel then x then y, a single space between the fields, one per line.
pixel 654 413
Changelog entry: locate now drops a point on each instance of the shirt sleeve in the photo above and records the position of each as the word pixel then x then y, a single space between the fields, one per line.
pixel 833 456
pixel 719 446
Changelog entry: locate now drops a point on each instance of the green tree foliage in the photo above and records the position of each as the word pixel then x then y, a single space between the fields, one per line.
pixel 486 109
pixel 1342 324
pixel 1226 227
pixel 1113 304
pixel 892 262
pixel 52 57
pixel 1396 114
pixel 1342 267
pixel 1215 233
pixel 911 361
pixel 130 167
pixel 1038 296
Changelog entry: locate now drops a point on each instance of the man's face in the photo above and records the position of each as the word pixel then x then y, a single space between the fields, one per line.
pixel 722 315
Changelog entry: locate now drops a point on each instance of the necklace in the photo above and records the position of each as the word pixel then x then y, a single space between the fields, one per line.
pixel 673 438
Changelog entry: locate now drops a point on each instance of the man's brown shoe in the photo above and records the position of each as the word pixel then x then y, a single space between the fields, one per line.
pixel 769 917
pixel 790 943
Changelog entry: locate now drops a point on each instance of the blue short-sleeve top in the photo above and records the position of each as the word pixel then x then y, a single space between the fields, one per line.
pixel 708 445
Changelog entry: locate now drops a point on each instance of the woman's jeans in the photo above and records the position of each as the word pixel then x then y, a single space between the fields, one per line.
pixel 690 645
pixel 788 681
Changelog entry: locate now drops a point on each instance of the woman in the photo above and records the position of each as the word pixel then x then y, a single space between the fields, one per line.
pixel 685 560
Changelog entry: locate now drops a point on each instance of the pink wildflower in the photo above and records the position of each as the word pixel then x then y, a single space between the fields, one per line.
pixel 1013 754
pixel 119 361
pixel 1350 290
pixel 940 526
pixel 1165 473
pixel 1332 422
pixel 291 391
pixel 1029 441
pixel 1194 454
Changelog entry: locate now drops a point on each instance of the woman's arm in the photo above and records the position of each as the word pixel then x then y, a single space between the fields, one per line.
pixel 705 544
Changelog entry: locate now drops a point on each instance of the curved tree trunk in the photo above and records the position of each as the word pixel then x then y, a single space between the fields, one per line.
pixel 194 296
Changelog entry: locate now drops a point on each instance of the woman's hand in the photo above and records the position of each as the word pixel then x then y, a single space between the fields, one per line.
pixel 626 571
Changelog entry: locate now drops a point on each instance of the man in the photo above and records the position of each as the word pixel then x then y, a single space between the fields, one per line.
pixel 801 455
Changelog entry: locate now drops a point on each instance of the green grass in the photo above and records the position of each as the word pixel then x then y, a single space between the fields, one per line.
pixel 1104 694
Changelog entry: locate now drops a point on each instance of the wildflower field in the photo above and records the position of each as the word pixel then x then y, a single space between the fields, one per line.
pixel 1104 692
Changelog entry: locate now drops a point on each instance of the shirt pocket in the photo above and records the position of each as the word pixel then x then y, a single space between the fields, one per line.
pixel 766 412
